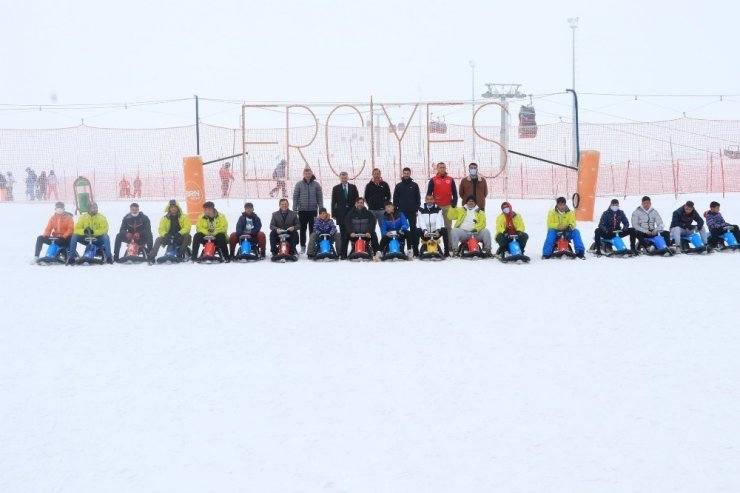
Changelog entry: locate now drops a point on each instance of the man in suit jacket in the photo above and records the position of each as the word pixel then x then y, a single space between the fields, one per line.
pixel 343 197
pixel 284 220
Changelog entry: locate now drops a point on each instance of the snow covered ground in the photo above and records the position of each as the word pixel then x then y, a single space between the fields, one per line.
pixel 609 375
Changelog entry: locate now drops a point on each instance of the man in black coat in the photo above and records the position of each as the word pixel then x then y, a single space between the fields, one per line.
pixel 135 227
pixel 683 221
pixel 377 193
pixel 359 221
pixel 343 197
pixel 407 199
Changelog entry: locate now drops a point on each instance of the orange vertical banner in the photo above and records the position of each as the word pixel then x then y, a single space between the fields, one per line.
pixel 195 190
pixel 588 175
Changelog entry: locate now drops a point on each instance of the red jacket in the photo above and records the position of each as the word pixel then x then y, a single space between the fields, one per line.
pixel 225 174
pixel 62 225
pixel 444 190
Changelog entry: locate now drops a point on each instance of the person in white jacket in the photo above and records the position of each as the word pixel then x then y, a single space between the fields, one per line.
pixel 429 219
pixel 647 223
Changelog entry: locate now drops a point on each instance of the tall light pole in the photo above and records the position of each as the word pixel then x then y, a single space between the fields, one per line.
pixel 472 101
pixel 573 23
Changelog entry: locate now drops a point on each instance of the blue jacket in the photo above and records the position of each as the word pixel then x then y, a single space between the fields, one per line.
pixel 393 222
pixel 321 227
pixel 406 196
pixel 613 221
pixel 682 220
pixel 242 224
pixel 715 221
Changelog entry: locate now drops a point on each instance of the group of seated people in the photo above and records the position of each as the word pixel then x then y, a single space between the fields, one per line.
pixel 468 220
pixel 647 223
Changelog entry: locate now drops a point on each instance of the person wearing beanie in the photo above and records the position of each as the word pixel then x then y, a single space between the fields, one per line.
pixel 646 223
pixel 682 223
pixel 60 226
pixel 467 220
pixel 562 220
pixel 613 223
pixel 474 184
pixel 509 224
pixel 717 226
pixel 248 224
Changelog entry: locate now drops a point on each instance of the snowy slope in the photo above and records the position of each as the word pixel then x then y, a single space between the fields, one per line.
pixel 609 375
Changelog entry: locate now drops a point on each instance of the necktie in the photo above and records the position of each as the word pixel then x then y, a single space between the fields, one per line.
pixel 345 192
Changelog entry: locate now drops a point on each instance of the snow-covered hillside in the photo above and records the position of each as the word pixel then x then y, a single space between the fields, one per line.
pixel 604 375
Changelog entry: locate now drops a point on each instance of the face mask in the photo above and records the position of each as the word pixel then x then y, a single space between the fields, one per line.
pixel 614 208
pixel 473 172
pixel 507 210
pixel 134 214
pixel 59 210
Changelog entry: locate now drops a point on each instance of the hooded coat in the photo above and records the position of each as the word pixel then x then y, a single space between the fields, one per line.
pixel 165 222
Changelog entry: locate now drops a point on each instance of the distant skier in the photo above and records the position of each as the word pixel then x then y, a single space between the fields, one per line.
pixel 41 183
pixel 137 187
pixel 51 186
pixel 11 182
pixel 279 174
pixel 124 188
pixel 226 178
pixel 30 184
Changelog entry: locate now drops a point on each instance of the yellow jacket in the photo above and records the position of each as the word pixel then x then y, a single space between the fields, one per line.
pixel 164 223
pixel 501 223
pixel 98 223
pixel 219 222
pixel 558 220
pixel 458 214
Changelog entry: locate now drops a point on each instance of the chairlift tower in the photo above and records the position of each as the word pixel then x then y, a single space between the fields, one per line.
pixel 504 92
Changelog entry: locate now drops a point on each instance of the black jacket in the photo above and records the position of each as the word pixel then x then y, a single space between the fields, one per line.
pixel 139 224
pixel 376 195
pixel 683 220
pixel 406 196
pixel 339 206
pixel 359 221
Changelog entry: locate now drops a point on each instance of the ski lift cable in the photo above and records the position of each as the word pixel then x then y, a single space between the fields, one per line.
pixel 653 124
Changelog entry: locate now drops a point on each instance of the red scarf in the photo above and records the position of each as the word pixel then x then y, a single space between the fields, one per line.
pixel 510 223
pixel 510 229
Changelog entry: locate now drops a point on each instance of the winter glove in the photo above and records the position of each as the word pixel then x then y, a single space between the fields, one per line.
pixel 211 229
pixel 137 236
pixel 128 237
pixel 426 234
pixel 88 231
